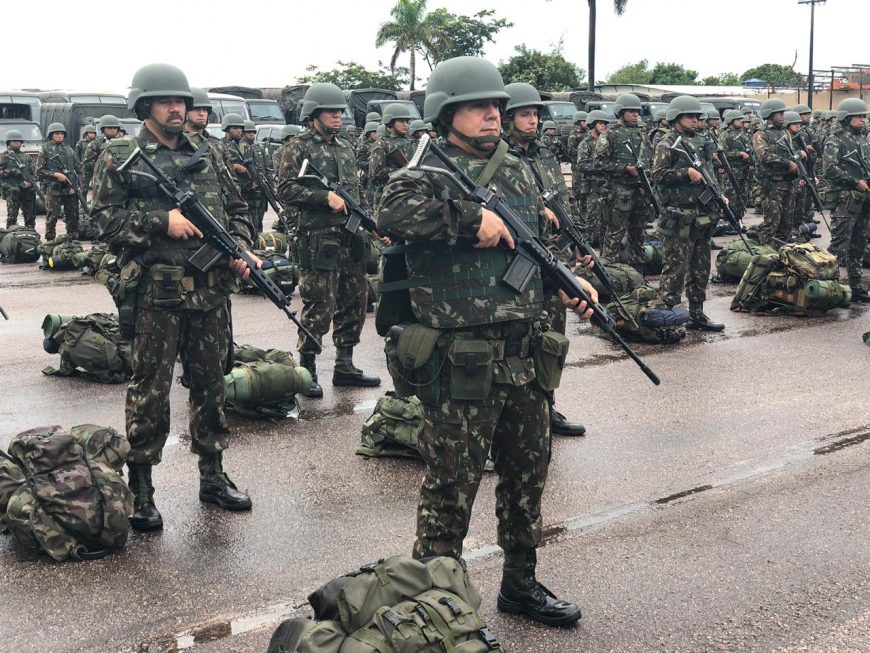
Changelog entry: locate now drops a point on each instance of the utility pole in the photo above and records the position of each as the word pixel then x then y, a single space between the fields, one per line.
pixel 812 4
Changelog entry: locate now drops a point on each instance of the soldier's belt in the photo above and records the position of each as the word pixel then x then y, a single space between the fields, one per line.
pixel 199 280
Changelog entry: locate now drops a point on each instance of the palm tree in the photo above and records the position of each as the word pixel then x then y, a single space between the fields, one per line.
pixel 619 8
pixel 408 31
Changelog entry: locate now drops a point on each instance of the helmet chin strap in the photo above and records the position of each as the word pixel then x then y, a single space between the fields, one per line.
pixel 528 137
pixel 326 129
pixel 169 130
pixel 476 141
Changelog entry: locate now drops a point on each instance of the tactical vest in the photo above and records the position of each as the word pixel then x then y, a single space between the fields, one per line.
pixel 683 193
pixel 778 171
pixel 849 142
pixel 456 286
pixel 58 157
pixel 342 169
pixel 622 137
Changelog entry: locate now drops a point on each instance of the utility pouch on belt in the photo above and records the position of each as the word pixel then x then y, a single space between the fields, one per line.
pixel 855 201
pixel 549 357
pixel 166 290
pixel 360 248
pixel 669 224
pixel 326 257
pixel 123 289
pixel 412 361
pixel 301 247
pixel 471 369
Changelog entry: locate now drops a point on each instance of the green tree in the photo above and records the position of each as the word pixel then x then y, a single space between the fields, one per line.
pixel 408 32
pixel 673 73
pixel 547 72
pixel 619 8
pixel 632 73
pixel 775 75
pixel 454 36
pixel 725 79
pixel 351 75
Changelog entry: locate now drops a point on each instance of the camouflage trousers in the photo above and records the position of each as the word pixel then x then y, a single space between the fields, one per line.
pixel 336 296
pixel 777 204
pixel 23 200
pixel 596 209
pixel 200 337
pixel 627 218
pixel 512 426
pixel 256 209
pixel 56 206
pixel 850 222
pixel 686 265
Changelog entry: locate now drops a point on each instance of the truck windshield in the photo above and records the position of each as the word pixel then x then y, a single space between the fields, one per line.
pixel 261 111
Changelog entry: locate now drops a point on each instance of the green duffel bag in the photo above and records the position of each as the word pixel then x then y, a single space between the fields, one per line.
pixel 263 383
pixel 11 478
pixel 277 267
pixel 751 291
pixel 393 428
pixel 732 261
pixel 790 293
pixel 623 277
pixel 60 253
pixel 93 259
pixel 88 229
pixel 19 244
pixel 91 346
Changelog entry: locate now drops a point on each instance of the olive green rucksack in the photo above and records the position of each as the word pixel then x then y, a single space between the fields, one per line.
pixel 19 244
pixel 264 382
pixel 652 255
pixel 397 605
pixel 274 241
pixel 279 268
pixel 59 254
pixel 91 346
pixel 656 322
pixel 73 503
pixel 807 261
pixel 732 261
pixel 624 278
pixel 96 258
pixel 393 428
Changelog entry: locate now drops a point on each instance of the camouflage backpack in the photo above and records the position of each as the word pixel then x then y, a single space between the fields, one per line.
pixel 73 505
pixel 59 254
pixel 393 429
pixel 96 258
pixel 279 268
pixel 91 346
pixel 655 321
pixel 624 278
pixel 732 261
pixel 19 244
pixel 809 262
pixel 397 605
pixel 274 241
pixel 263 383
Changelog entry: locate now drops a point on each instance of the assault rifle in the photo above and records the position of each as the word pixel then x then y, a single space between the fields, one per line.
pixel 865 172
pixel 725 164
pixel 531 253
pixel 27 176
pixel 805 177
pixel 220 243
pixel 357 215
pixel 568 228
pixel 645 184
pixel 712 192
pixel 73 179
pixel 267 189
pixel 811 156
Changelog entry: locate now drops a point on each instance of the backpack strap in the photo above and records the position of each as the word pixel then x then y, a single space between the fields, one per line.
pixel 367 637
pixel 492 165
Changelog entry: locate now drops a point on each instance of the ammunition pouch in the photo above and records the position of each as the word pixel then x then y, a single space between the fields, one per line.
pixel 326 253
pixel 549 357
pixel 471 368
pixel 124 289
pixel 414 360
pixel 166 288
pixel 855 201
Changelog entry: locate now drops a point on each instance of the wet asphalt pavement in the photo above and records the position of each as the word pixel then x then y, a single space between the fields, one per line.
pixel 724 510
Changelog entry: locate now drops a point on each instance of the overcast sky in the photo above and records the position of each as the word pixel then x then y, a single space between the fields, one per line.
pixel 273 42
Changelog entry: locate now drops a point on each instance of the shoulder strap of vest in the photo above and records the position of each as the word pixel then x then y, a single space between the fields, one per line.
pixel 492 165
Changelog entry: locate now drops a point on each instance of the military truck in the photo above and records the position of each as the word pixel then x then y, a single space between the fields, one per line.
pixel 75 109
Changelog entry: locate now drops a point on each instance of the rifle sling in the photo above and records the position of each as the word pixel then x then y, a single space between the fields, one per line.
pixel 492 165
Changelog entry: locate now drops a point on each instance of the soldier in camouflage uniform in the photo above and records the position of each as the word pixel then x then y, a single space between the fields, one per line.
pixel 737 148
pixel 661 128
pixel 416 129
pixel 686 225
pixel 89 134
pixel 332 261
pixel 55 159
pixel 520 122
pixel 175 308
pixel 714 120
pixel 20 193
pixel 391 151
pixel 549 138
pixel 363 154
pixel 110 127
pixel 846 166
pixel 259 159
pixel 776 173
pixel 578 199
pixel 593 183
pixel 485 395
pixel 807 141
pixel 291 213
pixel 614 156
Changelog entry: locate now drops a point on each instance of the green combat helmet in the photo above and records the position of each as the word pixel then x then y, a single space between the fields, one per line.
pixel 289 131
pixel 200 99
pixel 660 114
pixel 250 126
pixel 322 95
pixel 830 115
pixel 416 126
pixel 373 116
pixel 89 128
pixel 548 124
pixel 381 131
pixel 396 111
pixel 109 121
pixel 55 127
pixel 580 116
pixel 850 108
pixel 792 118
pixel 731 115
pixel 818 114
pixel 157 80
pixel 13 135
pixel 232 120
pixel 683 105
pixel 769 107
pixel 370 127
pixel 597 115
pixel 522 95
pixel 461 79
pixel 626 102
pixel 713 114
pixel 801 109
pixel 429 126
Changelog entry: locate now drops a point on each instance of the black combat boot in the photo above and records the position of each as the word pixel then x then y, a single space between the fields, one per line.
pixel 216 487
pixel 346 373
pixel 315 391
pixel 559 425
pixel 145 517
pixel 860 295
pixel 700 321
pixel 521 593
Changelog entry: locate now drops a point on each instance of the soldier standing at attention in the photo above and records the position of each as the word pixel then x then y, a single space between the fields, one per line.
pixel 20 193
pixel 613 156
pixel 88 135
pixel 579 133
pixel 263 162
pixel 55 159
pixel 110 127
pixel 686 225
pixel 521 124
pixel 737 149
pixel 486 394
pixel 846 151
pixel 578 198
pixel 776 173
pixel 237 153
pixel 589 178
pixel 363 155
pixel 391 151
pixel 660 127
pixel 176 309
pixel 332 261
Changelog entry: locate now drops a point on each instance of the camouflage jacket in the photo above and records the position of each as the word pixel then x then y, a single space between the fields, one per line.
pixel 772 154
pixel 92 153
pixel 335 159
pixel 613 153
pixel 845 151
pixel 240 153
pixel 133 215
pixel 585 167
pixel 262 161
pixel 656 134
pixel 82 147
pixel 56 157
pixel 387 155
pixel 10 168
pixel 670 174
pixel 577 136
pixel 439 227
pixel 732 142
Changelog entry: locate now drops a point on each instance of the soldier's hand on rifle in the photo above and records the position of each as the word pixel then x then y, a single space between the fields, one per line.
pixel 744 156
pixel 632 170
pixel 180 228
pixel 586 261
pixel 384 239
pixel 862 186
pixel 492 231
pixel 238 266
pixel 695 177
pixel 61 177
pixel 792 167
pixel 551 217
pixel 238 167
pixel 336 204
pixel 26 184
pixel 580 308
pixel 803 155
